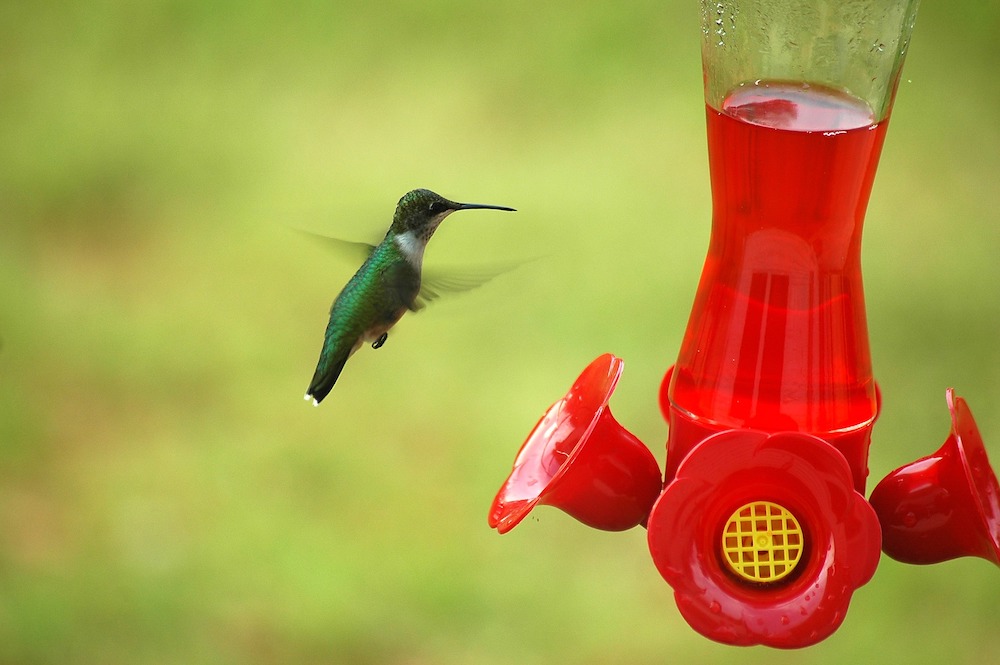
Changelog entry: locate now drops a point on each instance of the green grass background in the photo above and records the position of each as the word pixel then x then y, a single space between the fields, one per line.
pixel 165 494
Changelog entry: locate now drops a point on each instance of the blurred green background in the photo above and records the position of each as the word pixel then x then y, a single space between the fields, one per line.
pixel 165 494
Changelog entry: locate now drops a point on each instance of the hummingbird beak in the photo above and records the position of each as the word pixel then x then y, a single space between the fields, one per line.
pixel 482 206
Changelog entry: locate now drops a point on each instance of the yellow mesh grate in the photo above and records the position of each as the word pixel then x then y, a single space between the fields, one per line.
pixel 762 542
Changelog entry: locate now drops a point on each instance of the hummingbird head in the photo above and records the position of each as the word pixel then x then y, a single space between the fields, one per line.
pixel 421 211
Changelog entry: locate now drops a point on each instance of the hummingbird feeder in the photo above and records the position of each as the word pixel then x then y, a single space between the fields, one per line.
pixel 759 521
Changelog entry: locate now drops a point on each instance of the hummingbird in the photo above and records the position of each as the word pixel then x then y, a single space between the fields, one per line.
pixel 386 285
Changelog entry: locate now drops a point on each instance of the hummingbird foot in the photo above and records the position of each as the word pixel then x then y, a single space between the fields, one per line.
pixel 380 341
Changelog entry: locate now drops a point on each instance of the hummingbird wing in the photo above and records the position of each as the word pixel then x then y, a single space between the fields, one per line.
pixel 356 251
pixel 435 283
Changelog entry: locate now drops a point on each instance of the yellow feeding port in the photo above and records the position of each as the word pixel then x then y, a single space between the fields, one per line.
pixel 762 542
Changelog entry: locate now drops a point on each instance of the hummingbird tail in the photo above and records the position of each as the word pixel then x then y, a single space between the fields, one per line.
pixel 322 382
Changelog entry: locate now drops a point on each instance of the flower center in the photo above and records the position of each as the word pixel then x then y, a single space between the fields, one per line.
pixel 762 542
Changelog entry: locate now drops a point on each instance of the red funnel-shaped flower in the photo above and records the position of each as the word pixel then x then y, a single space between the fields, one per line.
pixel 945 505
pixel 579 459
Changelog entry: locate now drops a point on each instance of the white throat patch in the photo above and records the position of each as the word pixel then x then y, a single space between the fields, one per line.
pixel 412 247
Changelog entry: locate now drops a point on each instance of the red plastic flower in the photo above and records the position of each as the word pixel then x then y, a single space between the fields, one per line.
pixel 763 538
pixel 579 459
pixel 945 505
